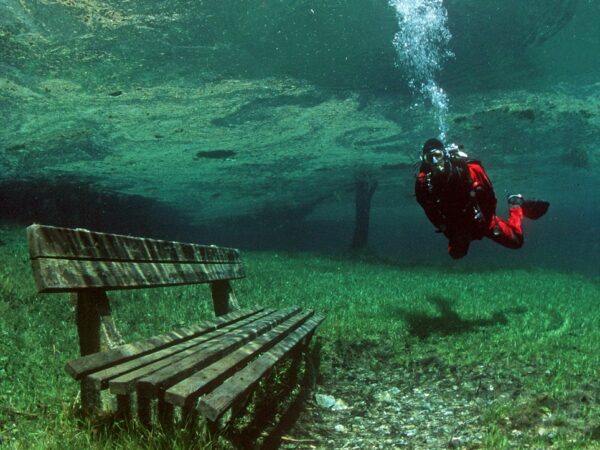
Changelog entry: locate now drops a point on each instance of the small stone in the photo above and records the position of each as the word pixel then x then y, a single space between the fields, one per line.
pixel 387 396
pixel 340 405
pixel 546 433
pixel 325 401
pixel 330 402
pixel 455 442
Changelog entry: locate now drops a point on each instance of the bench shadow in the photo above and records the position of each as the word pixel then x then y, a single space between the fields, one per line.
pixel 271 418
pixel 449 322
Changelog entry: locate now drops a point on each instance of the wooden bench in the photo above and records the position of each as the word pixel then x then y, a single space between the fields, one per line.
pixel 205 368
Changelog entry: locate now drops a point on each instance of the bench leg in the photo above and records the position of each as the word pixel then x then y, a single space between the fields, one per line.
pixel 90 397
pixel 165 414
pixel 224 300
pixel 189 416
pixel 313 363
pixel 144 409
pixel 95 325
pixel 214 428
pixel 189 422
pixel 240 407
pixel 124 406
pixel 297 357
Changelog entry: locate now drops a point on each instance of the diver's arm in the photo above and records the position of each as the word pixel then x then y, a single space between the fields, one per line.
pixel 429 203
pixel 483 191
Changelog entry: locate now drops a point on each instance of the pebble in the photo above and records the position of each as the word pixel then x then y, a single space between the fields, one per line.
pixel 325 401
pixel 455 442
pixel 330 402
pixel 425 411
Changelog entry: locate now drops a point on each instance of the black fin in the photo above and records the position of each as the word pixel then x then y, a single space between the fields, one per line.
pixel 534 209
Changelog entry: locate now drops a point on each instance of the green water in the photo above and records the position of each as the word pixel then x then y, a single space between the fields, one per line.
pixel 247 123
pixel 246 116
pixel 297 100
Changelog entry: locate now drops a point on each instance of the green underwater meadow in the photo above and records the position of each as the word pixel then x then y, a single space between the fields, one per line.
pixel 517 349
pixel 252 124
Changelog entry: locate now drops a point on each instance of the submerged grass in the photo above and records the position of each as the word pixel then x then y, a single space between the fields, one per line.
pixel 540 328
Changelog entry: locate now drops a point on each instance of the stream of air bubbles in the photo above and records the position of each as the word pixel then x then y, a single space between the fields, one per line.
pixel 422 46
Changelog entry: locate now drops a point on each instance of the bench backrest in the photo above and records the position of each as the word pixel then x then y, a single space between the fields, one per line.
pixel 71 260
pixel 90 263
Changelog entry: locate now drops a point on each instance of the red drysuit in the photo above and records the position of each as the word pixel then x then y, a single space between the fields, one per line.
pixel 460 202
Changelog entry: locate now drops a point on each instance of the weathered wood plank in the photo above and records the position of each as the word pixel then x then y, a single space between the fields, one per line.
pixel 81 367
pixel 185 392
pixel 155 383
pixel 67 243
pixel 126 383
pixel 155 360
pixel 65 275
pixel 215 403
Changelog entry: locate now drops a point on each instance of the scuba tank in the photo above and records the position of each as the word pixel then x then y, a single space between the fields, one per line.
pixel 457 161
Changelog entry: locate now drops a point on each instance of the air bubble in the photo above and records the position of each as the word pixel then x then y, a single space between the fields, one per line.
pixel 421 44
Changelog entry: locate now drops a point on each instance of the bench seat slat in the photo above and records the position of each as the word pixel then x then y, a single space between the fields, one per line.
pixel 157 382
pixel 215 403
pixel 167 355
pixel 185 392
pixel 186 362
pixel 81 367
pixel 67 243
pixel 65 275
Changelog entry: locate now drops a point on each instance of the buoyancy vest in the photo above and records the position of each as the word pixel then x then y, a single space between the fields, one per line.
pixel 463 201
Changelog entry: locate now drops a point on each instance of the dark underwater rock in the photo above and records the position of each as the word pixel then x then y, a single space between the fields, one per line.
pixel 215 154
pixel 527 114
pixel 15 148
pixel 577 157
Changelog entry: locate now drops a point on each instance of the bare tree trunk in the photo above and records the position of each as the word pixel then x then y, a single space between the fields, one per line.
pixel 365 188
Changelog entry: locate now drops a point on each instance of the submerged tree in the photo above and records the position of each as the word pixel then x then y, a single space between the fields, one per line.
pixel 365 188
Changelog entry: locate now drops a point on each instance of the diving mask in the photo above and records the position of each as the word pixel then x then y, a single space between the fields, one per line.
pixel 435 157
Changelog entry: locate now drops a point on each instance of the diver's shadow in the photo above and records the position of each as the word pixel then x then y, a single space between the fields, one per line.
pixel 448 322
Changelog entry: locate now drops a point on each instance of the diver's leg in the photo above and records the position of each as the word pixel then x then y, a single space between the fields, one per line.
pixel 458 246
pixel 507 233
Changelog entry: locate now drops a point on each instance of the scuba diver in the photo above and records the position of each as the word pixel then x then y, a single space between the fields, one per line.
pixel 459 200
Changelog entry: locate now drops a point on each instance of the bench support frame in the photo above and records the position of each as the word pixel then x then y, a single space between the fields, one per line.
pixel 224 300
pixel 97 332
